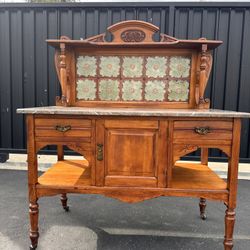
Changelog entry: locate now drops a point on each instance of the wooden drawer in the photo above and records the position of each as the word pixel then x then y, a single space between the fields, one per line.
pixel 203 129
pixel 62 128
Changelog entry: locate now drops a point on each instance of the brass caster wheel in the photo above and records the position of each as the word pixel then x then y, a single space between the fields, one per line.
pixel 66 209
pixel 203 217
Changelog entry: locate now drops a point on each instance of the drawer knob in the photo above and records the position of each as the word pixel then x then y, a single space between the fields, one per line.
pixel 202 130
pixel 63 128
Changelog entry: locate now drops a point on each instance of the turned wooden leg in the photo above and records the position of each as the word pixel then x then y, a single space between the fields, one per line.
pixel 229 228
pixel 64 200
pixel 34 234
pixel 202 205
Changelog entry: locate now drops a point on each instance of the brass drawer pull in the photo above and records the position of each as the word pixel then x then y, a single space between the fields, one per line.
pixel 202 130
pixel 63 128
pixel 99 155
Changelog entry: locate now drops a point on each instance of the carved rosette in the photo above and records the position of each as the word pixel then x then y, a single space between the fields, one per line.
pixel 133 36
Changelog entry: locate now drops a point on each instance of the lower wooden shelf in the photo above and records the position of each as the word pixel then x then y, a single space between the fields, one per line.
pixel 196 176
pixel 68 173
pixel 186 176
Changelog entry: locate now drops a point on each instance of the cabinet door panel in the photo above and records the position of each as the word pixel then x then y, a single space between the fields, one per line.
pixel 130 152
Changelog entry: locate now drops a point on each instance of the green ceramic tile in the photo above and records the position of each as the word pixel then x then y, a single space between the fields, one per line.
pixel 109 90
pixel 86 66
pixel 179 66
pixel 109 66
pixel 86 90
pixel 155 90
pixel 132 90
pixel 156 66
pixel 178 90
pixel 132 66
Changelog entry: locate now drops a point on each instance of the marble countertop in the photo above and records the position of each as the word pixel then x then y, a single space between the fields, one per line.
pixel 58 110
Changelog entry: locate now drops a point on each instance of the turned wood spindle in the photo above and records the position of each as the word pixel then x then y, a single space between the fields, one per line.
pixel 34 234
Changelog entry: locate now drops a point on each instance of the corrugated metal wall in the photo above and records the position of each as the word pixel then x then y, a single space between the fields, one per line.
pixel 27 74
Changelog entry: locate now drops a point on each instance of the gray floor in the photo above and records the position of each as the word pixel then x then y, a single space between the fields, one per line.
pixel 96 222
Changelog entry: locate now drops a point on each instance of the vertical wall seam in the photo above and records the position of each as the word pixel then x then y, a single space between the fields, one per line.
pixel 228 43
pixel 10 76
pixel 241 58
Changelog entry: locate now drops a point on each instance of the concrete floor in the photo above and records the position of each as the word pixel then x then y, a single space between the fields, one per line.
pixel 98 223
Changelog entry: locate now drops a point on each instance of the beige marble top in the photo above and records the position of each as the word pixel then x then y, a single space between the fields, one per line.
pixel 132 112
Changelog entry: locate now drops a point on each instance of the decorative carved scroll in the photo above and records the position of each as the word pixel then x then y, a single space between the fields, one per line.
pixel 133 36
pixel 97 39
pixel 168 39
pixel 181 150
pixel 226 150
pixel 80 148
pixel 203 72
pixel 40 145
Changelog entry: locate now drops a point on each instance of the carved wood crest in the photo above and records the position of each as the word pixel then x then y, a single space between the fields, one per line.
pixel 132 31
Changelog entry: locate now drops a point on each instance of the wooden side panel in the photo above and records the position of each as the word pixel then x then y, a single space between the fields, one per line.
pixel 170 153
pixel 32 157
pixel 233 163
pixel 162 153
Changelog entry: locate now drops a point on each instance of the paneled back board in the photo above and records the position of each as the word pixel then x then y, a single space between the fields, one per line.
pixel 28 76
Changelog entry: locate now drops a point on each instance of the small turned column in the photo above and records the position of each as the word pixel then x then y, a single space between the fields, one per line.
pixel 64 200
pixel 202 206
pixel 34 234
pixel 60 153
pixel 229 228
pixel 63 74
pixel 60 157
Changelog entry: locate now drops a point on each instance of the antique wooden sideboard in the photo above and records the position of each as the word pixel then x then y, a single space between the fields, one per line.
pixel 132 107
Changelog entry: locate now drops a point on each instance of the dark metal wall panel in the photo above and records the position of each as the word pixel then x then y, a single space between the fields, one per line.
pixel 16 66
pixel 5 78
pixel 27 73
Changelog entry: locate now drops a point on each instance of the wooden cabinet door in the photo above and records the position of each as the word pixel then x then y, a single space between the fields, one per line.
pixel 131 153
